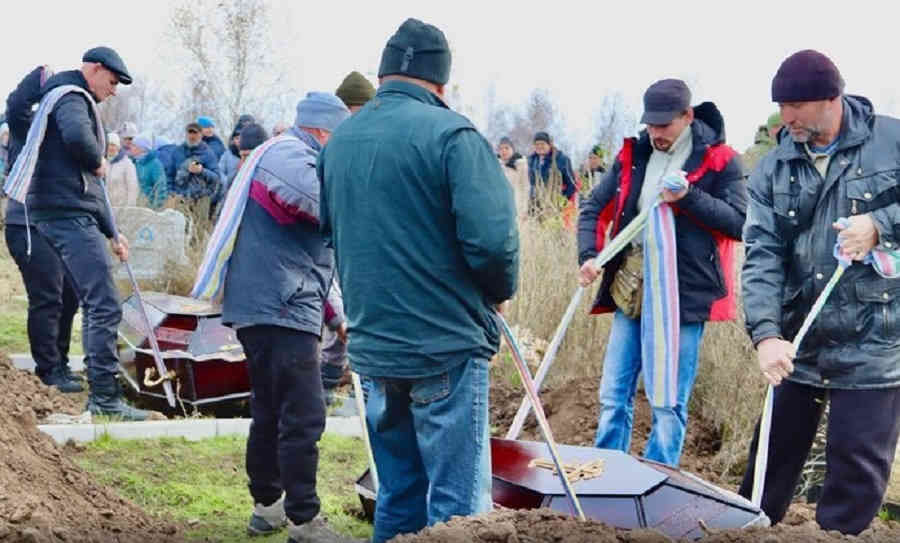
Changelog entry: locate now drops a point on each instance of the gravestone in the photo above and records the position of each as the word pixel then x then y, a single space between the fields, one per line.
pixel 154 238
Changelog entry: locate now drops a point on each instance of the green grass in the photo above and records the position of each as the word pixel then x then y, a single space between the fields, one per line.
pixel 203 484
pixel 889 513
pixel 13 333
pixel 14 330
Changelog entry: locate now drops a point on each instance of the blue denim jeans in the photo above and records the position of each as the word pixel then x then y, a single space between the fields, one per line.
pixel 618 385
pixel 431 442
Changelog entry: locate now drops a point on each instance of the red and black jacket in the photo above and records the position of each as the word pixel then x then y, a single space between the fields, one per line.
pixel 708 220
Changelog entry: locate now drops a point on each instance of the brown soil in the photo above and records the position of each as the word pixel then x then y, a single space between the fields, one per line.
pixel 543 525
pixel 572 410
pixel 44 496
pixel 22 388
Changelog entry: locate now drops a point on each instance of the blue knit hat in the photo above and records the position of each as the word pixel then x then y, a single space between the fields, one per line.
pixel 205 122
pixel 321 110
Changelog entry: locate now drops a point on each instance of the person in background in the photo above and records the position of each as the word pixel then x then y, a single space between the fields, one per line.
pixel 552 183
pixel 252 136
pixel 151 174
pixel 231 158
pixel 52 301
pixel 515 167
pixel 596 167
pixel 195 173
pixel 355 91
pixel 208 127
pixel 4 149
pixel 121 178
pixel 765 140
pixel 126 135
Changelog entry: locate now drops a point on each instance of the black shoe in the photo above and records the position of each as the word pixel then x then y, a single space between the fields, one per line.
pixel 106 399
pixel 67 371
pixel 56 378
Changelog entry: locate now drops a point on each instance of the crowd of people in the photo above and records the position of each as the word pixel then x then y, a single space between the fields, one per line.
pixel 382 227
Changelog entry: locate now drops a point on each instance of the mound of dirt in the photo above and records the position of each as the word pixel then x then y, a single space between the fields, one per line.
pixel 44 496
pixel 23 388
pixel 572 409
pixel 544 525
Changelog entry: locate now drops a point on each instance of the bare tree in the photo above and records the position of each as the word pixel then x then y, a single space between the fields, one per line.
pixel 613 121
pixel 226 55
pixel 150 105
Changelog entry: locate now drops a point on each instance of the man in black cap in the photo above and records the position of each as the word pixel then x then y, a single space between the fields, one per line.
pixel 65 202
pixel 840 161
pixel 687 143
pixel 424 230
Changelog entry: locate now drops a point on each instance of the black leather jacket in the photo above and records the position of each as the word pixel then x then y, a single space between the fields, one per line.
pixel 855 342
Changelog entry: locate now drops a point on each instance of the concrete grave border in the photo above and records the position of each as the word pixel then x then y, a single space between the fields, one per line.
pixel 190 429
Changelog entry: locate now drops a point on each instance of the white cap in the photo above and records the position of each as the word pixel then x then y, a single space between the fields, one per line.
pixel 113 139
pixel 128 130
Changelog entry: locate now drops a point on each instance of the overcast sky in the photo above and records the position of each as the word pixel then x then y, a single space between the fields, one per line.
pixel 727 51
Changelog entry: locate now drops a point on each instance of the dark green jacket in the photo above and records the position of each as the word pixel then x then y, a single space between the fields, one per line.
pixel 423 225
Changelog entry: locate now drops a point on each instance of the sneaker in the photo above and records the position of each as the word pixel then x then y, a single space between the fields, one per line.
pixel 267 519
pixel 315 531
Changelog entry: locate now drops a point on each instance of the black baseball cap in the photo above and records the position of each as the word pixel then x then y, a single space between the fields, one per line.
pixel 110 60
pixel 193 127
pixel 665 100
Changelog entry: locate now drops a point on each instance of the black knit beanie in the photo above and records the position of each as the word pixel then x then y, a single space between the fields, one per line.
pixel 806 76
pixel 543 136
pixel 252 135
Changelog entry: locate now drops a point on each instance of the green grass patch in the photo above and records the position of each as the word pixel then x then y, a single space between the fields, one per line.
pixel 13 332
pixel 203 484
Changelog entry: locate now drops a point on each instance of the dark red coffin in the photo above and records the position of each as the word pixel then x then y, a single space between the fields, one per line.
pixel 630 493
pixel 207 358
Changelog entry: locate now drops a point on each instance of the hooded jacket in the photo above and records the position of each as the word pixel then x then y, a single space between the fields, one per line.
pixel 708 219
pixel 855 341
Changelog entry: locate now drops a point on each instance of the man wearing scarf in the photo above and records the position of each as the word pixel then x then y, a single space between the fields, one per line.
pixel 58 174
pixel 660 311
pixel 275 274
